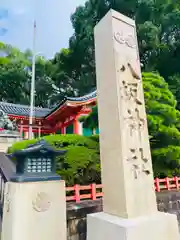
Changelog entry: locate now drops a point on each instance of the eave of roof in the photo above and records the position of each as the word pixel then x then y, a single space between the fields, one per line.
pixel 74 101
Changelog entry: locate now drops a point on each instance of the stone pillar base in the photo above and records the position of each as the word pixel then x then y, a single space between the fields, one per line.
pixel 159 226
pixel 34 211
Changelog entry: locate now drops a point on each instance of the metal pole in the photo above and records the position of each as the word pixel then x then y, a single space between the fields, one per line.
pixel 32 85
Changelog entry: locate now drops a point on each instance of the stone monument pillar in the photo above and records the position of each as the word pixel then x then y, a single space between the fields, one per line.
pixel 34 199
pixel 129 203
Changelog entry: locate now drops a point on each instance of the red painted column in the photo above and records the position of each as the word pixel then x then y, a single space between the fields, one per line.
pixel 39 130
pixel 21 128
pixel 63 130
pixel 26 134
pixel 76 126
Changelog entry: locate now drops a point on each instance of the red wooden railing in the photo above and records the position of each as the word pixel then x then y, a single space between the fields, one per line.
pixel 95 190
pixel 77 189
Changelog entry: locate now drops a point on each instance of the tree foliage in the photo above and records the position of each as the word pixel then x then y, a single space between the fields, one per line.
pixel 174 85
pixel 12 80
pixel 15 77
pixel 158 24
pixel 163 123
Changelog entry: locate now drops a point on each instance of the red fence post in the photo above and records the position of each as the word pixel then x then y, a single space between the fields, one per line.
pixel 77 193
pixel 93 191
pixel 157 185
pixel 176 182
pixel 167 183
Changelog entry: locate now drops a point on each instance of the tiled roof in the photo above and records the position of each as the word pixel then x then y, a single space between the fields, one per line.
pixel 83 98
pixel 22 110
pixel 74 99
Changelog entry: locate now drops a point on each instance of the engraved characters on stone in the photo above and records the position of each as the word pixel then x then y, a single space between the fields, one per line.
pixel 133 119
pixel 138 161
pixel 130 92
pixel 130 88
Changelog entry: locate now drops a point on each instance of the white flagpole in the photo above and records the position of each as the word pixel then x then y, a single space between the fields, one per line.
pixel 31 115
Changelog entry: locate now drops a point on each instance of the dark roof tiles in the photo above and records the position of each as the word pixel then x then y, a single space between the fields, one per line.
pixel 22 110
pixel 83 98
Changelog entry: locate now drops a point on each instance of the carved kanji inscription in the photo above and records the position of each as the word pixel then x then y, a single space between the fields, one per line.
pixel 135 160
pixel 145 169
pixel 135 121
pixel 130 92
pixel 134 72
pixel 143 158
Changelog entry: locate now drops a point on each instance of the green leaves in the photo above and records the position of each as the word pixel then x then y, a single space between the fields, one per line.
pixel 158 24
pixel 12 79
pixel 91 121
pixel 163 121
pixel 15 77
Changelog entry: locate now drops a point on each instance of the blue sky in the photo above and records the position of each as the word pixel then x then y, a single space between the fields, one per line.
pixel 53 23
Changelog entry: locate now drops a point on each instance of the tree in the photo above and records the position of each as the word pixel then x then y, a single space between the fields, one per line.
pixel 3 55
pixel 12 81
pixel 45 88
pixel 91 121
pixel 174 85
pixel 63 79
pixel 15 77
pixel 163 121
pixel 163 124
pixel 12 74
pixel 10 54
pixel 158 24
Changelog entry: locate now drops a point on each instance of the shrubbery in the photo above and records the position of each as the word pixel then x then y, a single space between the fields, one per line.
pixel 81 162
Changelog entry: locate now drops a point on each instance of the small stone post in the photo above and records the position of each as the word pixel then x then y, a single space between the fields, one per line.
pixel 34 199
pixel 130 209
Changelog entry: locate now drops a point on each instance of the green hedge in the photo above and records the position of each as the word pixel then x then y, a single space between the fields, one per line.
pixel 81 163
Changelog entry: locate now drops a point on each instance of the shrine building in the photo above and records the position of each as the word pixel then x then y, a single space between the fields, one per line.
pixel 62 119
